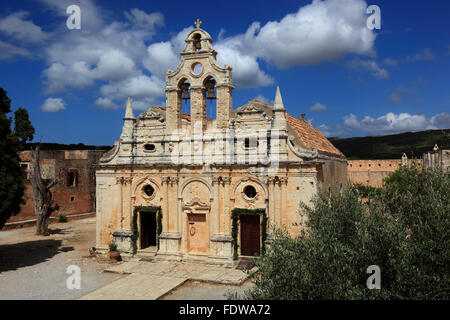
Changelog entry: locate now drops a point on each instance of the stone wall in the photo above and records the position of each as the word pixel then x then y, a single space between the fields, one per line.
pixel 72 199
pixel 372 172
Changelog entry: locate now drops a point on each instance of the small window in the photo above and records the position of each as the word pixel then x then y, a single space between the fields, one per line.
pixel 72 178
pixel 250 192
pixel 149 190
pixel 247 143
pixel 150 147
pixel 24 168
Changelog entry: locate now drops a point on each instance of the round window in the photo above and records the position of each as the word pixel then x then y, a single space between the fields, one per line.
pixel 250 192
pixel 149 147
pixel 197 68
pixel 149 190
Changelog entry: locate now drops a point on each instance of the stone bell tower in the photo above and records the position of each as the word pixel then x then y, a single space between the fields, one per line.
pixel 198 78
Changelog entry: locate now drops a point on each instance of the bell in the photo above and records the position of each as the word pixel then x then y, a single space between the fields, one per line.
pixel 185 89
pixel 210 86
pixel 185 95
pixel 197 45
pixel 211 95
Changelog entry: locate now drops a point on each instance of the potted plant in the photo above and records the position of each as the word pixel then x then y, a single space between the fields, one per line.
pixel 113 253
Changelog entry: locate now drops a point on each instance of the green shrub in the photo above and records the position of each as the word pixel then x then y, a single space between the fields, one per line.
pixel 112 246
pixel 62 219
pixel 404 231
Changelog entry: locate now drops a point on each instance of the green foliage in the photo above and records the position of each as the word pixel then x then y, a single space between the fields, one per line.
pixel 134 226
pixel 366 191
pixel 235 227
pixel 404 231
pixel 62 219
pixel 11 178
pixel 112 246
pixel 22 127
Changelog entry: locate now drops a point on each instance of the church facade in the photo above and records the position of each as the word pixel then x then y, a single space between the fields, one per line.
pixel 188 186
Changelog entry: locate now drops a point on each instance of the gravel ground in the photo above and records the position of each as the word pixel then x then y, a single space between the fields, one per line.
pixel 34 267
pixel 194 290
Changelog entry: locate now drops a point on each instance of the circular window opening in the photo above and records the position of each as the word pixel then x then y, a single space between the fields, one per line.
pixel 197 68
pixel 149 190
pixel 250 192
pixel 149 147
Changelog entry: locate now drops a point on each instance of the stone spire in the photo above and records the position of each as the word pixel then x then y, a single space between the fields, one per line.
pixel 129 111
pixel 278 105
pixel 279 112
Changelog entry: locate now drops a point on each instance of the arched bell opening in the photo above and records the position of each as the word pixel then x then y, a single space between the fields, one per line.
pixel 211 97
pixel 197 44
pixel 184 87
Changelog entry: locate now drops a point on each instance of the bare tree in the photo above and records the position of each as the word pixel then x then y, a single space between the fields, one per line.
pixel 43 198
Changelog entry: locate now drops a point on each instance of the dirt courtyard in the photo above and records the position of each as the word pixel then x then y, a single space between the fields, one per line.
pixel 34 267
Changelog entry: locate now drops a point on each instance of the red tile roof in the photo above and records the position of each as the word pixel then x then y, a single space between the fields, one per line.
pixel 309 135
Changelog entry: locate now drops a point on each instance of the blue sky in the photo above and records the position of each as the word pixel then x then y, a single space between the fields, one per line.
pixel 349 81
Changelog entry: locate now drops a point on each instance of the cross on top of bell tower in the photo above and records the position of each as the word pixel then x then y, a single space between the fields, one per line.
pixel 198 23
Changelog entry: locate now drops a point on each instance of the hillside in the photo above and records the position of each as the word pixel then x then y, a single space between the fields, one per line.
pixel 414 144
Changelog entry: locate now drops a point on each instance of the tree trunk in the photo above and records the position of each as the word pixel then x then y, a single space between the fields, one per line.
pixel 43 198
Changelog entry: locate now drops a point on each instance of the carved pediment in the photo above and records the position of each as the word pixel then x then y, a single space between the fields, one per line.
pixel 250 108
pixel 196 204
pixel 152 114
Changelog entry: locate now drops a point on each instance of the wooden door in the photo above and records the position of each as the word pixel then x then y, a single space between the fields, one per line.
pixel 148 229
pixel 250 235
pixel 197 230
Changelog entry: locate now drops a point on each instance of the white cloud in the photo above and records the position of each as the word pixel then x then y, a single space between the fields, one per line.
pixel 9 51
pixel 121 54
pixel 24 31
pixel 389 123
pixel 53 105
pixel 144 20
pixel 105 103
pixel 114 54
pixel 263 99
pixel 246 70
pixel 144 90
pixel 425 55
pixel 318 107
pixel 370 66
pixel 92 15
pixel 318 32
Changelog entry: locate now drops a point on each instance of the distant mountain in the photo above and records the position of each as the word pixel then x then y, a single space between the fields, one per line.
pixel 414 144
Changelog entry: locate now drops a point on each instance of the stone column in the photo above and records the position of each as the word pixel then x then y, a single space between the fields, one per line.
pixel 226 214
pixel 224 105
pixel 173 112
pixel 215 219
pixel 126 202
pixel 283 206
pixel 172 204
pixel 119 181
pixel 271 206
pixel 165 219
pixel 198 108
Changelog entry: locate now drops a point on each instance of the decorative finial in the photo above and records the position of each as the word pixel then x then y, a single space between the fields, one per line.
pixel 198 23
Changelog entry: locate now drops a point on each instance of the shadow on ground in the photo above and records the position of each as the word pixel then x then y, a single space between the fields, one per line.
pixel 60 231
pixel 24 254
